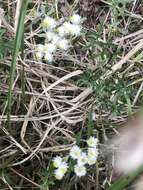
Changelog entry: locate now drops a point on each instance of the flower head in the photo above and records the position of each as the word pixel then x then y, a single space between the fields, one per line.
pixel 75 30
pixel 72 29
pixel 57 161
pixel 48 57
pixel 82 159
pixel 92 160
pixel 56 39
pixel 92 155
pixel 61 31
pixel 61 170
pixel 49 23
pixel 75 19
pixel 63 167
pixel 92 142
pixel 92 152
pixel 80 170
pixel 57 36
pixel 58 174
pixel 67 27
pixel 50 48
pixel 49 35
pixel 39 47
pixel 39 55
pixel 75 152
pixel 63 44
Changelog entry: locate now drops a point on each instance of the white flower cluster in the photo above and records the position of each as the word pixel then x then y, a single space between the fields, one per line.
pixel 82 159
pixel 58 36
pixel 61 167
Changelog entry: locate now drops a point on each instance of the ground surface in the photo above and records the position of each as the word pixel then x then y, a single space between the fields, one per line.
pixel 91 89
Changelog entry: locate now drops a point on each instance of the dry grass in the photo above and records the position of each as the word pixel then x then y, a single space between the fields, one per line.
pixel 49 106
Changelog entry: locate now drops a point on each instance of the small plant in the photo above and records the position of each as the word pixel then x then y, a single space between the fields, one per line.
pixel 77 160
pixel 58 35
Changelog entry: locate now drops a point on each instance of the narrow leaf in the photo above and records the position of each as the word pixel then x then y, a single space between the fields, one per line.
pixel 17 44
pixel 125 180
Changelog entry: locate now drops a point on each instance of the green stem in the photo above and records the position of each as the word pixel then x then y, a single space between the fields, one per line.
pixel 17 44
pixel 22 72
pixel 125 180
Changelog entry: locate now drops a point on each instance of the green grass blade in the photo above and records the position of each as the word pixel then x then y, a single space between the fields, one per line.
pixel 22 72
pixel 17 44
pixel 90 124
pixel 124 181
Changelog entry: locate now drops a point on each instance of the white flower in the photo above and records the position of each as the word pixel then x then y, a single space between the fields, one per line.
pixel 39 47
pixel 75 30
pixel 62 169
pixel 58 174
pixel 67 27
pixel 92 142
pixel 72 29
pixel 50 48
pixel 63 44
pixel 50 35
pixel 92 152
pixel 80 170
pixel 55 39
pixel 82 160
pixel 75 152
pixel 92 160
pixel 75 19
pixel 92 155
pixel 48 57
pixel 61 31
pixel 39 55
pixel 49 23
pixel 57 161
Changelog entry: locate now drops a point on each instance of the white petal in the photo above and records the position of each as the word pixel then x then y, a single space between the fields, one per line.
pixel 49 23
pixel 75 19
pixel 50 48
pixel 39 55
pixel 63 44
pixel 39 47
pixel 57 161
pixel 58 174
pixel 75 152
pixel 92 142
pixel 80 170
pixel 82 159
pixel 61 31
pixel 50 35
pixel 48 57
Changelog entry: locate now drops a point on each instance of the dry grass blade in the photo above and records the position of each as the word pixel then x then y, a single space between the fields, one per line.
pixel 25 123
pixel 126 58
pixel 36 149
pixel 118 65
pixel 32 182
pixel 87 90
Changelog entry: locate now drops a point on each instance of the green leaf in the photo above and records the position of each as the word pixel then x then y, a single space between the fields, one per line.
pixel 139 57
pixel 17 44
pixel 124 181
pixel 90 124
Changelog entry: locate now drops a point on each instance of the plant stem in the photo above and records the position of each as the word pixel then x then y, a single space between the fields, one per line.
pixel 17 44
